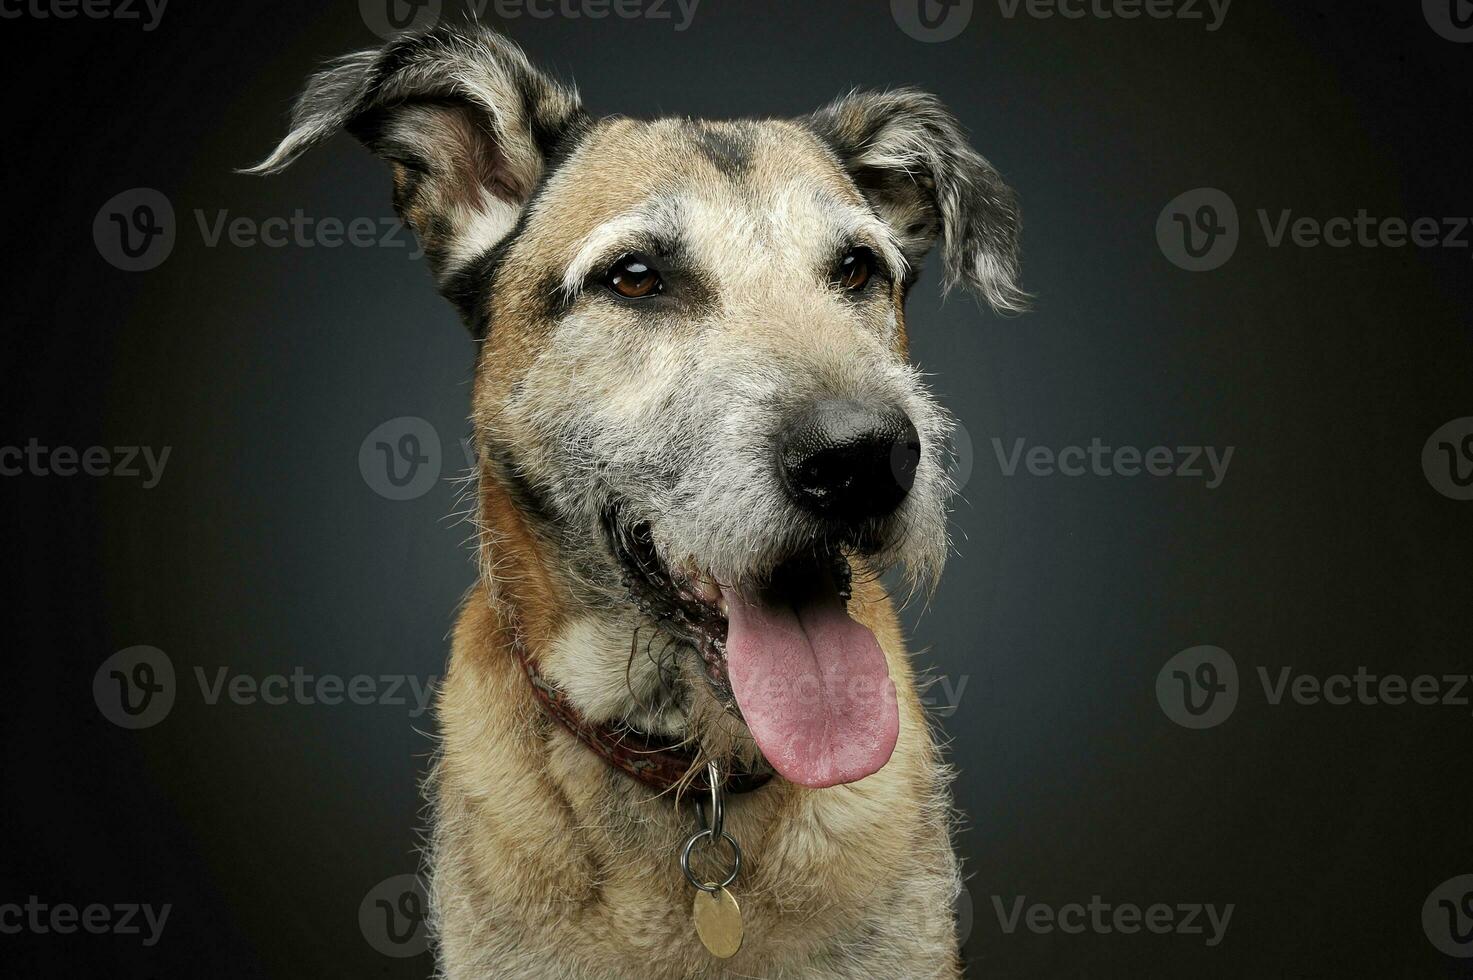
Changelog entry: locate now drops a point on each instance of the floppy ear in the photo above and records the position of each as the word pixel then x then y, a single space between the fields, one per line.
pixel 908 155
pixel 465 123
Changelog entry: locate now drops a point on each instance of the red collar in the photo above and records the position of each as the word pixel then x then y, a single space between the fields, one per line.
pixel 657 762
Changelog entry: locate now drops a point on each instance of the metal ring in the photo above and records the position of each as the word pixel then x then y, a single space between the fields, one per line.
pixel 718 803
pixel 690 876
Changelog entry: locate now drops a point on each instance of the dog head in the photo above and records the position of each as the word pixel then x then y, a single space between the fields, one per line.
pixel 693 379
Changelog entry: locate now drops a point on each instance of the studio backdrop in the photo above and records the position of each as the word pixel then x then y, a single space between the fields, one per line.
pixel 1200 656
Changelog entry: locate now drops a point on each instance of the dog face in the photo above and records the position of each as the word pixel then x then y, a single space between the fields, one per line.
pixel 693 377
pixel 701 288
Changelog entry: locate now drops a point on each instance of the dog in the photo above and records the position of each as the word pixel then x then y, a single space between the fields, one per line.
pixel 699 444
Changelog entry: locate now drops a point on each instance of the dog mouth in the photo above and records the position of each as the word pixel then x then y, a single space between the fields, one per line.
pixel 781 653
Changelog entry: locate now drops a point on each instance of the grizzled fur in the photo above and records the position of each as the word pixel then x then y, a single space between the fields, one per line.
pixel 666 412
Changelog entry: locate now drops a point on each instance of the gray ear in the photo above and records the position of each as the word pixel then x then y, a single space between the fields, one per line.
pixel 465 123
pixel 909 156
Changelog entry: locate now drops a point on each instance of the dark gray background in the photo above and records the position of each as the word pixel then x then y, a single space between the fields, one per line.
pixel 263 549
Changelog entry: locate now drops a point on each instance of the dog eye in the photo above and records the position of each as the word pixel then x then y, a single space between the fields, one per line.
pixel 855 269
pixel 633 278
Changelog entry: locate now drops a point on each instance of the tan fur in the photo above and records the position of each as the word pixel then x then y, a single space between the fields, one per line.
pixel 591 414
pixel 546 863
pixel 550 865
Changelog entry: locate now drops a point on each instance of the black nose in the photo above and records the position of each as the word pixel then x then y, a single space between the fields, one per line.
pixel 850 461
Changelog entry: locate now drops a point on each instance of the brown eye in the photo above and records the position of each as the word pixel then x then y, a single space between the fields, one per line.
pixel 855 269
pixel 632 278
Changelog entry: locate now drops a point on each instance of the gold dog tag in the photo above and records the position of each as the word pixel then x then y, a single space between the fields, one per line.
pixel 718 920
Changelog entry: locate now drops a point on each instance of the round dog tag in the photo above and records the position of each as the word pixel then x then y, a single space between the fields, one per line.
pixel 718 921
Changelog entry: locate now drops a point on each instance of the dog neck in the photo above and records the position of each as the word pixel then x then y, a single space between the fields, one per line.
pixel 660 763
pixel 595 665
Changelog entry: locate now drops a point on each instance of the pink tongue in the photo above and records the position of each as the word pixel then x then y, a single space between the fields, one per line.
pixel 812 683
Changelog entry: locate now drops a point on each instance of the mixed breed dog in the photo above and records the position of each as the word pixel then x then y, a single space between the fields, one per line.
pixel 699 443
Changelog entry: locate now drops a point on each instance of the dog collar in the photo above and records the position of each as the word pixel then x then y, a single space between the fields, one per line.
pixel 657 762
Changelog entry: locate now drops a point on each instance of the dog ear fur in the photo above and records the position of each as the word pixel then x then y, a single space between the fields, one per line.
pixel 908 155
pixel 465 123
